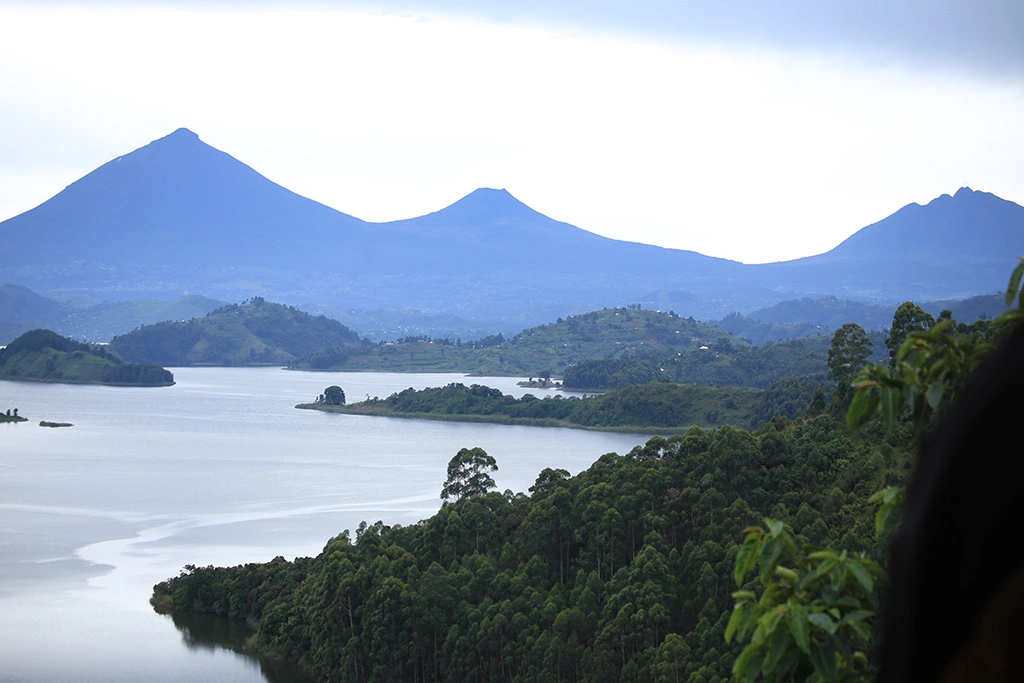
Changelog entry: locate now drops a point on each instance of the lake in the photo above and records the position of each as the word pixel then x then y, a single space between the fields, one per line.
pixel 219 469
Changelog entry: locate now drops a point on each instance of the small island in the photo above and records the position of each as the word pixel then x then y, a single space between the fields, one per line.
pixel 45 356
pixel 9 417
pixel 44 423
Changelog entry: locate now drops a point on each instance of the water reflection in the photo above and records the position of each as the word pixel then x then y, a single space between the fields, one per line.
pixel 210 633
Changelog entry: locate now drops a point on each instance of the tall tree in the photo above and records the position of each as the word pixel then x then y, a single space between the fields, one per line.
pixel 909 317
pixel 334 395
pixel 848 353
pixel 468 474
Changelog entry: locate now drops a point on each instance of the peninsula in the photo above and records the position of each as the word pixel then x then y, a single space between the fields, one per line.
pixel 45 356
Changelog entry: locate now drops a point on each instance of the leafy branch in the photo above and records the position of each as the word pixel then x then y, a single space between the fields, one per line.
pixel 812 613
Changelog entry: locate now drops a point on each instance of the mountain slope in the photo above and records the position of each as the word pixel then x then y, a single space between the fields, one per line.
pixel 175 202
pixel 178 216
pixel 953 247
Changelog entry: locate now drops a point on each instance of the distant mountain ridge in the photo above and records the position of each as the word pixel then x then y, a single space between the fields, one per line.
pixel 179 216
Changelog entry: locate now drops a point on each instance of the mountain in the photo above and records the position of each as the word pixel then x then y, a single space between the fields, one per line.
pixel 175 202
pixel 178 216
pixel 953 247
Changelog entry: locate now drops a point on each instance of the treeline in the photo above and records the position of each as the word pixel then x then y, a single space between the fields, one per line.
pixel 657 405
pixel 482 343
pixel 137 373
pixel 722 362
pixel 620 573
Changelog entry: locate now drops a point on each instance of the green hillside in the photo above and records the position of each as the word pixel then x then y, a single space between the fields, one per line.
pixel 611 333
pixel 256 332
pixel 45 356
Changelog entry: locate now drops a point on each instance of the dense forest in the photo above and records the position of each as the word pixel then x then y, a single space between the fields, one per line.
pixel 629 570
pixel 45 356
pixel 619 573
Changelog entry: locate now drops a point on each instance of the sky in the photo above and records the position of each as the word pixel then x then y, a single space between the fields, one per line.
pixel 750 130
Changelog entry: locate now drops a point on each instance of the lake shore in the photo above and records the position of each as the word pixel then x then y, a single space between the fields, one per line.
pixel 356 409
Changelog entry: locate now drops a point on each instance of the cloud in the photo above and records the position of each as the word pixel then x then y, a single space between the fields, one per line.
pixel 982 36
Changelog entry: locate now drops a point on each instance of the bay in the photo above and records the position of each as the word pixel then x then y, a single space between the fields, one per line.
pixel 219 469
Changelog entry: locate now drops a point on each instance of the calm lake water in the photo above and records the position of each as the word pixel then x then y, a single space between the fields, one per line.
pixel 219 469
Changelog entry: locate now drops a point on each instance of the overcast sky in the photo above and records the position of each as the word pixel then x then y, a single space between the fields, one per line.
pixel 757 131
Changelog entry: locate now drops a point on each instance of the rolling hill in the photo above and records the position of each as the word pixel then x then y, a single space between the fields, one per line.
pixel 45 356
pixel 256 332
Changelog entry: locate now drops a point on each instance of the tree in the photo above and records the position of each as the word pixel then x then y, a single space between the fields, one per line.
pixel 468 474
pixel 334 396
pixel 848 353
pixel 909 317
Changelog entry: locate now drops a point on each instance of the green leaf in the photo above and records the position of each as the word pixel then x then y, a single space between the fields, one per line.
pixel 768 558
pixel 862 575
pixel 1014 284
pixel 768 597
pixel 823 555
pixel 889 412
pixel 823 621
pixel 743 595
pixel 861 630
pixel 739 667
pixel 799 627
pixel 777 648
pixel 863 406
pixel 823 659
pixel 774 527
pixel 935 391
pixel 754 668
pixel 734 622
pixel 787 574
pixel 745 624
pixel 857 615
pixel 746 557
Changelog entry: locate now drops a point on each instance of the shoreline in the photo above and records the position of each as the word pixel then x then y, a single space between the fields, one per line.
pixel 496 419
pixel 97 384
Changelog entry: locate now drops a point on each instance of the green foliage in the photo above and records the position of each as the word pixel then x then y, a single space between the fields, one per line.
pixel 849 351
pixel 811 612
pixel 137 374
pixel 468 474
pixel 611 373
pixel 789 398
pixel 334 396
pixel 909 317
pixel 929 370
